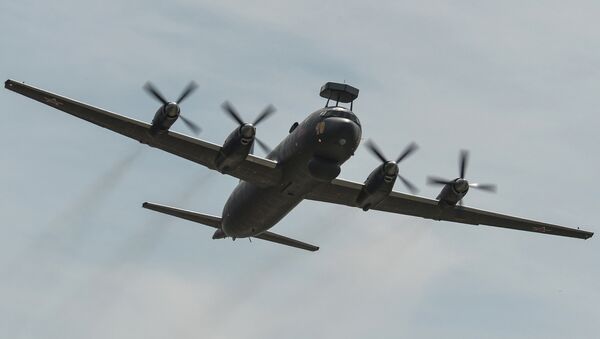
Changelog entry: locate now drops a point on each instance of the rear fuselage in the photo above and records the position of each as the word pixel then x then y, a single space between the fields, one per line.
pixel 311 154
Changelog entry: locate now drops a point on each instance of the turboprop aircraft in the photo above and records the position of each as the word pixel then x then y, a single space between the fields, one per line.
pixel 305 165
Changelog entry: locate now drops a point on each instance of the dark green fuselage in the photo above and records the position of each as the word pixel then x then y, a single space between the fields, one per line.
pixel 311 154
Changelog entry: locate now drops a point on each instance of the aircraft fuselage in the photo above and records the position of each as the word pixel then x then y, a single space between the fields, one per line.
pixel 311 154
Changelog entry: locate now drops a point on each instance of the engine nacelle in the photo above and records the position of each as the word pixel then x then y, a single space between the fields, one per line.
pixel 453 192
pixel 236 148
pixel 164 118
pixel 323 169
pixel 378 186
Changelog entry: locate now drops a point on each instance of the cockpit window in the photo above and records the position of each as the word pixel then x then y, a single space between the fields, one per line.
pixel 341 114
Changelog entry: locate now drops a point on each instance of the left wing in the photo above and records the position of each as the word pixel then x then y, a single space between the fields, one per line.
pixel 253 169
pixel 345 192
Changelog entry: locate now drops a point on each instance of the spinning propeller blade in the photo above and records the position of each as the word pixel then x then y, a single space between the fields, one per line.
pixel 232 112
pixel 264 146
pixel 191 125
pixel 438 181
pixel 153 91
pixel 407 151
pixel 463 159
pixel 411 187
pixel 485 187
pixel 264 114
pixel 187 91
pixel 375 150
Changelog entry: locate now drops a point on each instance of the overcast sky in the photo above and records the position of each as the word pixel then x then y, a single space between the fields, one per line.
pixel 514 82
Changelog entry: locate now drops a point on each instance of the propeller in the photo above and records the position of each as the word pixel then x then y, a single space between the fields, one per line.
pixel 461 182
pixel 249 129
pixel 154 92
pixel 391 167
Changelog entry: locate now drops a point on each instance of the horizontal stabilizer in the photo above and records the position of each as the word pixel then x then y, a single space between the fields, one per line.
pixel 204 219
pixel 280 239
pixel 213 221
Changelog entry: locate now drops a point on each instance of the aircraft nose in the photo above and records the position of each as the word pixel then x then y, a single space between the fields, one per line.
pixel 338 138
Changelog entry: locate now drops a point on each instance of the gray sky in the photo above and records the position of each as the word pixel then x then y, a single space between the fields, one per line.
pixel 514 82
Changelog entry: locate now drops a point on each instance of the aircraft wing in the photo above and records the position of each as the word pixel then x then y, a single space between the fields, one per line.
pixel 254 169
pixel 345 192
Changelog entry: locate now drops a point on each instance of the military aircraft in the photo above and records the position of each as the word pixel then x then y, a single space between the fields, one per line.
pixel 305 165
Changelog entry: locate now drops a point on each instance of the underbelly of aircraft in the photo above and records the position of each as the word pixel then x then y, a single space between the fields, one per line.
pixel 251 210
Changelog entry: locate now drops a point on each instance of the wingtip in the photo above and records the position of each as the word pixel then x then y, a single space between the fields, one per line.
pixel 584 234
pixel 145 204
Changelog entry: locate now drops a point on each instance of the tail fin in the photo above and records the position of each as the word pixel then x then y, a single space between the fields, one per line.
pixel 213 221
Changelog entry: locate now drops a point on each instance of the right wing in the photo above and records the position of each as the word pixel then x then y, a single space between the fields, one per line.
pixel 253 169
pixel 345 192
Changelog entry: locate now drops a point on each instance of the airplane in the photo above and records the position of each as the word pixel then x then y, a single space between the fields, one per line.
pixel 305 165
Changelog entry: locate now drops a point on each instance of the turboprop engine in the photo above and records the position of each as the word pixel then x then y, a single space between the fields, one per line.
pixel 381 181
pixel 455 190
pixel 169 112
pixel 240 142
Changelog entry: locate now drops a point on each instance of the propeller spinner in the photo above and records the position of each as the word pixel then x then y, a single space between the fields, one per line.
pixel 248 130
pixel 390 168
pixel 171 108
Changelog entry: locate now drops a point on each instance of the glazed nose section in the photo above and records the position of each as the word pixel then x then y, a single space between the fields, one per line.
pixel 338 138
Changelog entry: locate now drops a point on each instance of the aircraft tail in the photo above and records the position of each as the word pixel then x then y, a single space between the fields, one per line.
pixel 214 221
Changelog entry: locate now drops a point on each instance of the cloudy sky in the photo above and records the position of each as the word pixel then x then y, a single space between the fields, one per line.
pixel 515 83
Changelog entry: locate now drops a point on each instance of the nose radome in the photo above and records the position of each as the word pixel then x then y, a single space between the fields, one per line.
pixel 338 138
pixel 342 128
